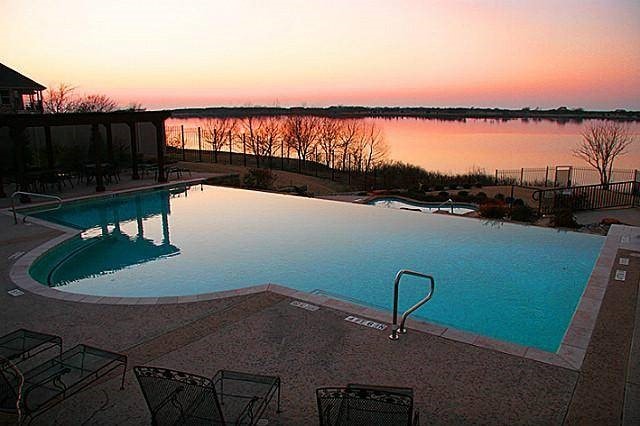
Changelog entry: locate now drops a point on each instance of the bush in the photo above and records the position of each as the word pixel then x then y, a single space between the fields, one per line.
pixel 564 219
pixel 499 197
pixel 493 210
pixel 453 186
pixel 480 197
pixel 444 195
pixel 259 179
pixel 478 185
pixel 463 194
pixel 438 188
pixel 466 186
pixel 518 202
pixel 522 213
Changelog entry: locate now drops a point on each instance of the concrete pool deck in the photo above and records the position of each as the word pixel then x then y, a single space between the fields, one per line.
pixel 454 382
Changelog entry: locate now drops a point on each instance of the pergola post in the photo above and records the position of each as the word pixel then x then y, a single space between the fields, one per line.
pixel 160 144
pixel 17 135
pixel 97 147
pixel 110 158
pixel 133 136
pixel 49 146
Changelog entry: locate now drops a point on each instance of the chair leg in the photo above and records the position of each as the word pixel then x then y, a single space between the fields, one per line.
pixel 278 410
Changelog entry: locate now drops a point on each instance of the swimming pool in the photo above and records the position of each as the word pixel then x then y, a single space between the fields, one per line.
pixel 405 204
pixel 510 282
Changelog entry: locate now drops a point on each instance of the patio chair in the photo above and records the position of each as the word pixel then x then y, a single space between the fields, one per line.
pixel 37 390
pixel 23 344
pixel 366 405
pixel 230 397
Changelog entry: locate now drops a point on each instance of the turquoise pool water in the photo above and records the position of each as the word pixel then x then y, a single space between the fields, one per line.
pixel 511 282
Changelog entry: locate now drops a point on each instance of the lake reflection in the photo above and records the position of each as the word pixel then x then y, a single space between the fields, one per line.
pixel 459 146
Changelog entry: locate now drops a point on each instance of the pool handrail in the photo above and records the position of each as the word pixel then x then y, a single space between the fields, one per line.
pixel 449 201
pixel 32 194
pixel 396 329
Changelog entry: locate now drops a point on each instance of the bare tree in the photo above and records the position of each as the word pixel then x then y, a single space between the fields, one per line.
pixel 301 134
pixel 254 140
pixel 376 148
pixel 95 103
pixel 329 138
pixel 216 133
pixel 270 135
pixel 59 99
pixel 349 133
pixel 601 144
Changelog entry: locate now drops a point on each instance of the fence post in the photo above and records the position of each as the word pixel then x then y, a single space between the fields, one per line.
pixel 230 148
pixel 244 150
pixel 315 152
pixel 333 165
pixel 349 168
pixel 282 155
pixel 496 181
pixel 184 158
pixel 546 177
pixel 199 144
pixel 521 176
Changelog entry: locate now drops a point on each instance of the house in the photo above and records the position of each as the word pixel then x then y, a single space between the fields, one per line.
pixel 19 94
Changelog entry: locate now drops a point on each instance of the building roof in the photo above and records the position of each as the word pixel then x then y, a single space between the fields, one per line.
pixel 12 79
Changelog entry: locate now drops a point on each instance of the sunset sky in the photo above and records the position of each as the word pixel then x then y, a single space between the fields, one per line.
pixel 168 54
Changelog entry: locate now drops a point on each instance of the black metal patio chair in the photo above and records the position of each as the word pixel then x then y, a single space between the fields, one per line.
pixel 36 390
pixel 356 405
pixel 230 397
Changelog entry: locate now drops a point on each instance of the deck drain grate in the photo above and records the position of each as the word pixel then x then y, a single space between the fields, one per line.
pixel 366 323
pixel 304 305
pixel 625 239
pixel 16 292
pixel 624 261
pixel 620 275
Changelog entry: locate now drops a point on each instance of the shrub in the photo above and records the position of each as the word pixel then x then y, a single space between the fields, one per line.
pixel 478 185
pixel 453 186
pixel 522 213
pixel 509 200
pixel 444 195
pixel 564 219
pixel 518 202
pixel 259 179
pixel 480 197
pixel 463 194
pixel 466 186
pixel 499 197
pixel 493 210
pixel 438 188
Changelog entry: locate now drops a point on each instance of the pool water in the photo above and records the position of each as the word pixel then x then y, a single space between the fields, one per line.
pixel 402 204
pixel 507 281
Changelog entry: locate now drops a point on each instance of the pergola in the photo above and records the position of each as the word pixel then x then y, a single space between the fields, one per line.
pixel 17 123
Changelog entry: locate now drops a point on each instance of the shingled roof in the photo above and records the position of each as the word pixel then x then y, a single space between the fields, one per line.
pixel 12 79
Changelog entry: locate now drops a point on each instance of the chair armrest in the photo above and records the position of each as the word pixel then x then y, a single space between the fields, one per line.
pixel 416 418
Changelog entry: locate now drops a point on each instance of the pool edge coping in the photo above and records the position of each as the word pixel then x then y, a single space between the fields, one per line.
pixel 570 353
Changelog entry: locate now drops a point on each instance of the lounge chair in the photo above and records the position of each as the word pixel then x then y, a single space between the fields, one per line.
pixel 355 405
pixel 23 344
pixel 230 397
pixel 49 383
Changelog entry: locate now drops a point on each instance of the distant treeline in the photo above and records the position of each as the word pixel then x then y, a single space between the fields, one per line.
pixel 561 114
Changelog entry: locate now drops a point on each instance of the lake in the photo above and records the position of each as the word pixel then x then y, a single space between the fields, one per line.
pixel 460 146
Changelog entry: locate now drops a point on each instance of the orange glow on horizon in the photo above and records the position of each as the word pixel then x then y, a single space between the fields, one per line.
pixel 431 53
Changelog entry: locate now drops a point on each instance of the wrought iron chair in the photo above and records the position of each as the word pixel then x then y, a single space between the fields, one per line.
pixel 366 405
pixel 230 397
pixel 23 344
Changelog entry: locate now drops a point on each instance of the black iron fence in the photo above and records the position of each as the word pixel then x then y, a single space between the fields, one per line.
pixel 561 176
pixel 588 197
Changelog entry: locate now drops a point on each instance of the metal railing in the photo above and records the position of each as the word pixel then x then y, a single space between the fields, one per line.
pixel 588 197
pixel 32 194
pixel 449 201
pixel 560 176
pixel 400 329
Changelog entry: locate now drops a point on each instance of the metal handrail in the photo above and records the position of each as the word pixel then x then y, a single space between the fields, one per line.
pixel 32 194
pixel 449 201
pixel 396 330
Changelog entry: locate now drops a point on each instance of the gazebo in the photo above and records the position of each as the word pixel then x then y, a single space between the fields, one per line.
pixel 18 123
